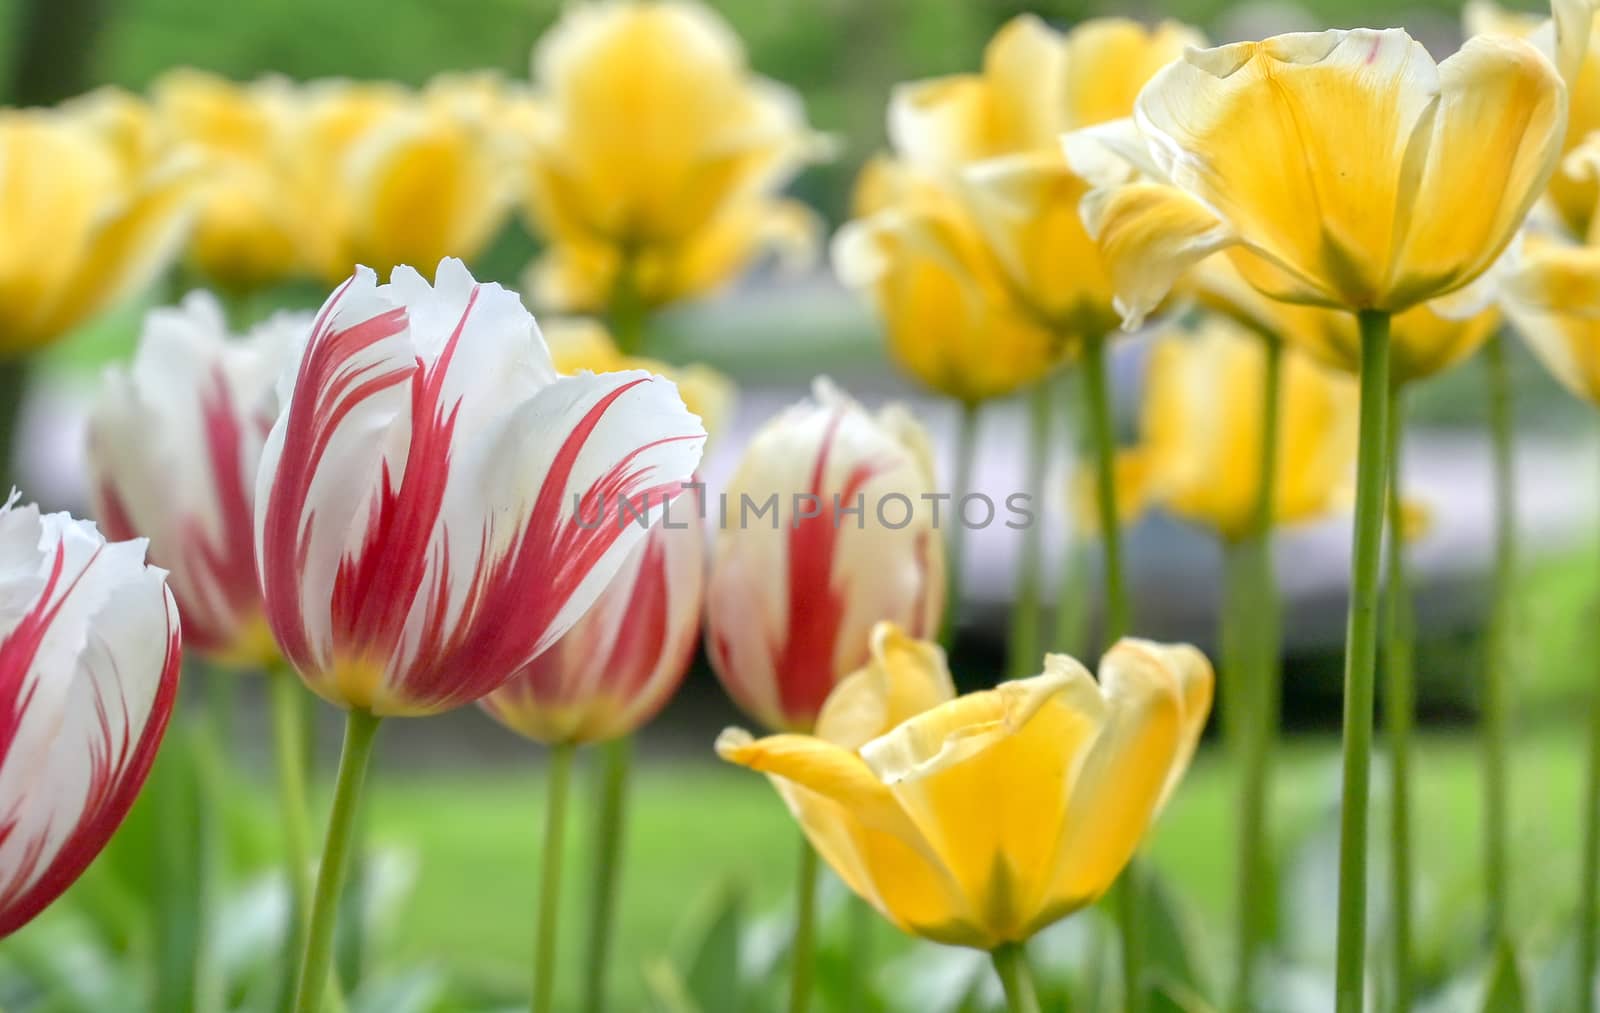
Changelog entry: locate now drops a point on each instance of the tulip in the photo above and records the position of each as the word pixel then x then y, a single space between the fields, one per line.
pixel 249 229
pixel 980 820
pixel 1202 425
pixel 84 228
pixel 796 586
pixel 656 162
pixel 435 508
pixel 173 445
pixel 1375 235
pixel 90 673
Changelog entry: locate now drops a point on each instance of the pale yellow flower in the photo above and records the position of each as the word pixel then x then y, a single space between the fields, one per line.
pixel 1330 166
pixel 1553 299
pixel 657 151
pixel 979 820
pixel 1201 429
pixel 82 224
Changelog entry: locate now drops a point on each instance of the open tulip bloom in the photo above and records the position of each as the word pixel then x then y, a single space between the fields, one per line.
pixel 436 507
pixel 88 675
pixel 981 819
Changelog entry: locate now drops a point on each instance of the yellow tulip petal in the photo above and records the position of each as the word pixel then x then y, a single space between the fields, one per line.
pixel 1125 773
pixel 905 677
pixel 1265 133
pixel 1110 59
pixel 858 829
pixel 1502 111
pixel 1149 234
pixel 1553 298
pixel 984 778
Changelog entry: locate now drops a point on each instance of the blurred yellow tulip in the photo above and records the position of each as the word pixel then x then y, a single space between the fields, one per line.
pixel 948 312
pixel 656 156
pixel 1329 166
pixel 1553 300
pixel 578 343
pixel 1422 340
pixel 1201 429
pixel 1572 193
pixel 85 219
pixel 961 240
pixel 979 820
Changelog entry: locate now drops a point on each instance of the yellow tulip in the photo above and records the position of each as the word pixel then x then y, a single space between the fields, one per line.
pixel 390 178
pixel 249 227
pixel 1423 340
pixel 979 820
pixel 1330 167
pixel 1201 430
pixel 947 310
pixel 1573 194
pixel 964 255
pixel 577 344
pixel 81 225
pixel 1553 299
pixel 657 155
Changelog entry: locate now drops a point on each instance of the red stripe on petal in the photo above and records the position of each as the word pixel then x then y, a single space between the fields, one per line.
pixel 326 390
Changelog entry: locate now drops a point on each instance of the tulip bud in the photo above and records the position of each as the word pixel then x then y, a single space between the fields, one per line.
pixel 621 663
pixel 173 445
pixel 435 507
pixel 89 662
pixel 827 527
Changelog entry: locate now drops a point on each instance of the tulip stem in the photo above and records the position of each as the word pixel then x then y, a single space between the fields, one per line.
pixel 1253 619
pixel 1496 688
pixel 627 308
pixel 966 450
pixel 802 954
pixel 1011 964
pixel 555 821
pixel 617 756
pixel 1589 886
pixel 1361 644
pixel 360 734
pixel 1102 426
pixel 288 730
pixel 1022 650
pixel 1399 704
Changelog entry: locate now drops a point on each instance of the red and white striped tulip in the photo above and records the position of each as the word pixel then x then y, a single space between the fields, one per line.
pixel 613 671
pixel 88 674
pixel 793 596
pixel 174 441
pixel 418 497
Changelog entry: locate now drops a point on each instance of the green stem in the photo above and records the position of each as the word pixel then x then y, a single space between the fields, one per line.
pixel 1102 427
pixel 555 826
pixel 1399 705
pixel 609 830
pixel 360 734
pixel 802 955
pixel 288 732
pixel 1071 632
pixel 1254 619
pixel 1023 653
pixel 1361 643
pixel 13 388
pixel 956 539
pixel 627 309
pixel 1496 687
pixel 1589 887
pixel 1011 964
pixel 858 974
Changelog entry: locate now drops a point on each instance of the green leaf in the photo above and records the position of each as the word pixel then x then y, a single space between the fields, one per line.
pixel 1171 941
pixel 712 971
pixel 1507 990
pixel 667 991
